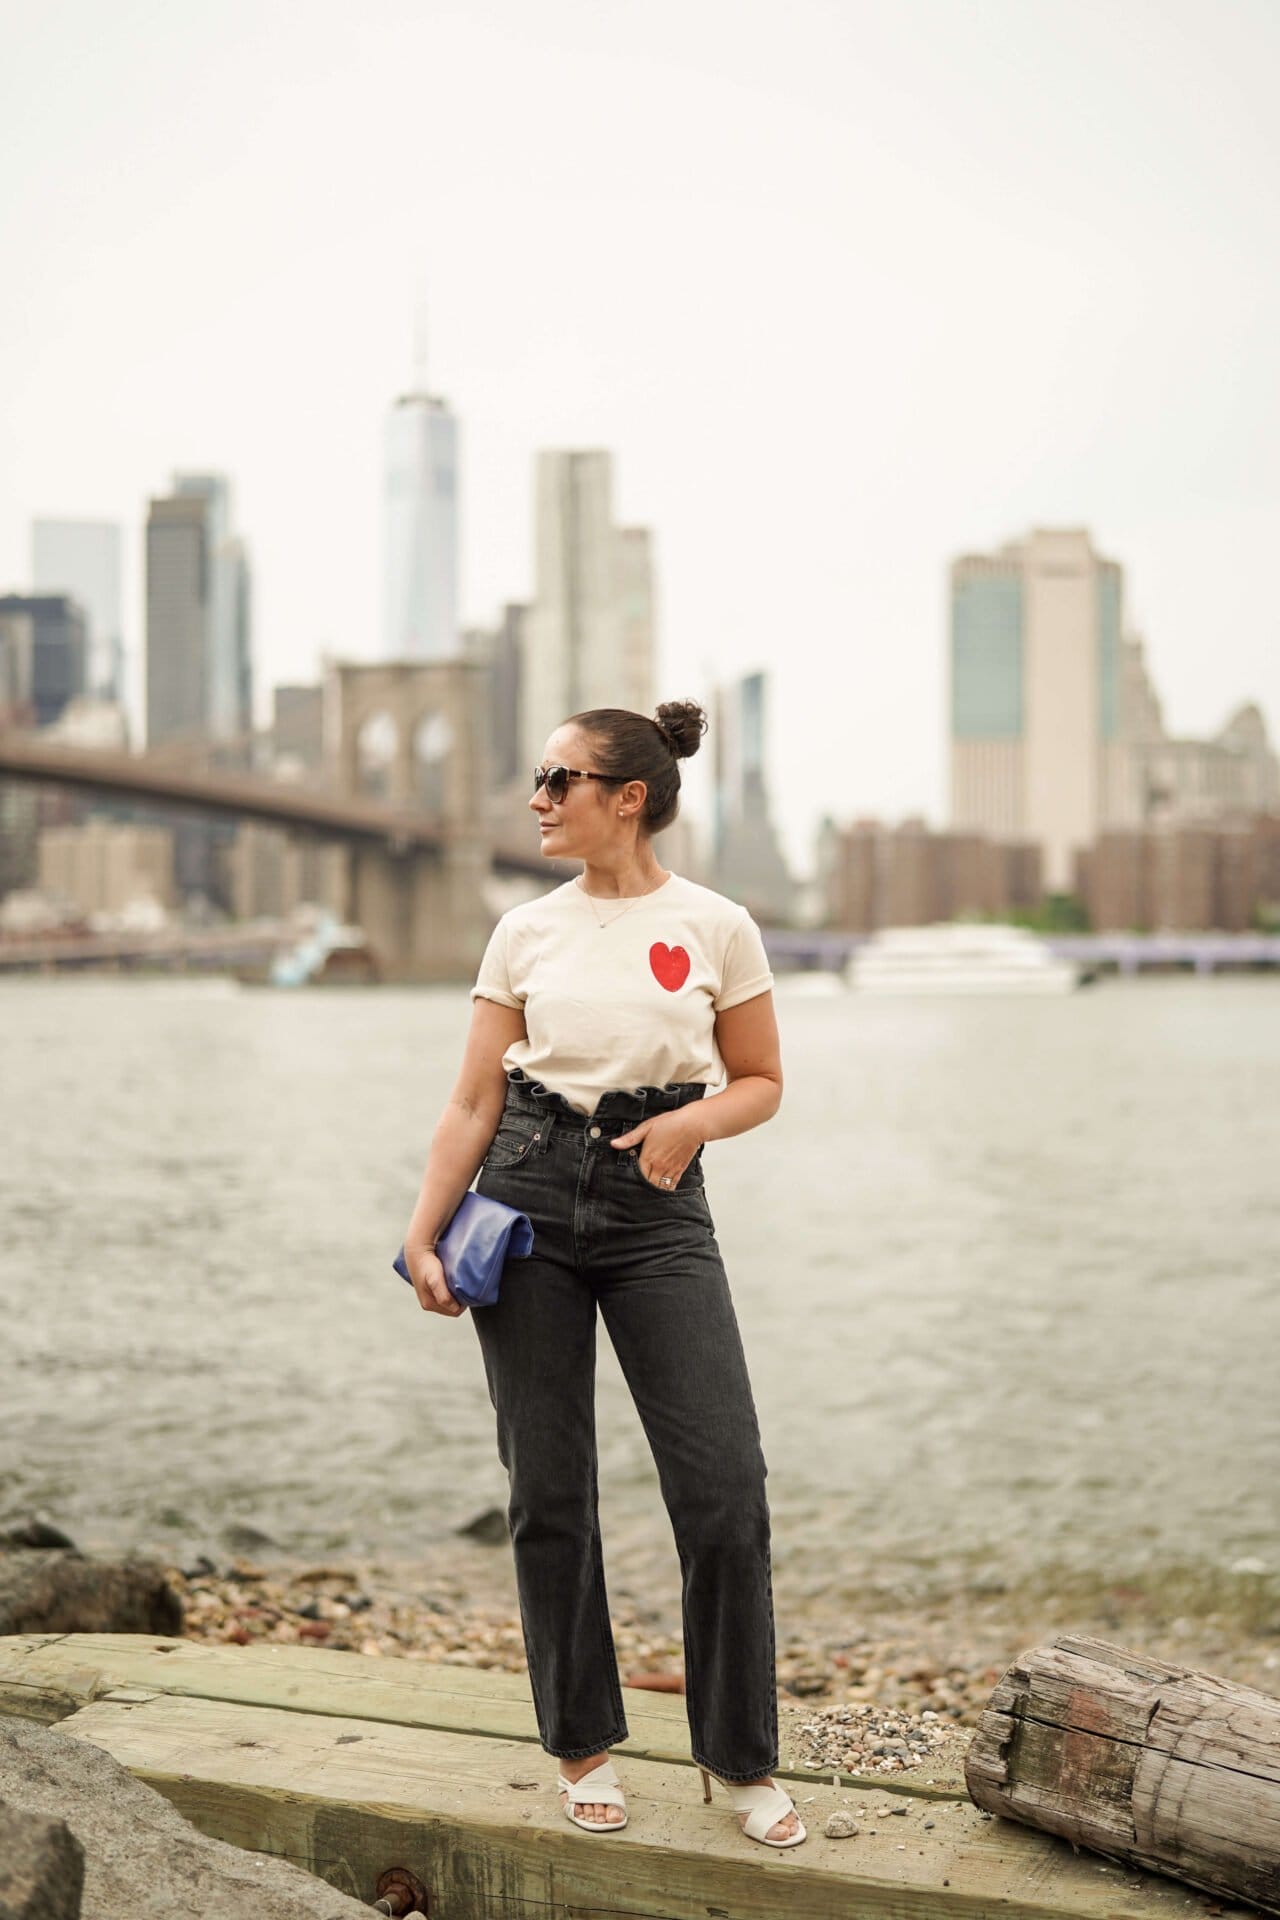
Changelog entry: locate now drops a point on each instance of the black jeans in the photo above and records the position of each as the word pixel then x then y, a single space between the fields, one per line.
pixel 604 1235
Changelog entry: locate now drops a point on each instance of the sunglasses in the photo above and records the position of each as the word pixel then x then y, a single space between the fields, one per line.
pixel 556 780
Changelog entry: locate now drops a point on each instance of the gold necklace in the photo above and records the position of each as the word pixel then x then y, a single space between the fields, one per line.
pixel 602 924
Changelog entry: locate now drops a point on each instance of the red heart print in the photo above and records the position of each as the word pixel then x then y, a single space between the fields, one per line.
pixel 670 965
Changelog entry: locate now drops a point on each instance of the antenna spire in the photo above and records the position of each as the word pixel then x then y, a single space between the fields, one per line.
pixel 420 346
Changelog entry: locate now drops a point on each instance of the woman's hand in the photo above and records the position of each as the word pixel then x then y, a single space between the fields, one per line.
pixel 429 1283
pixel 667 1144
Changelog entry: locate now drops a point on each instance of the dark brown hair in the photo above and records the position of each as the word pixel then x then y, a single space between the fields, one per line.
pixel 630 747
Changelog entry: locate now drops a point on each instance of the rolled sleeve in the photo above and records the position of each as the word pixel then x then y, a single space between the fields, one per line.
pixel 746 971
pixel 493 982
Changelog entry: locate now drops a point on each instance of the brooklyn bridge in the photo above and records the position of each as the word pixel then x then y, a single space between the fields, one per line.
pixel 416 852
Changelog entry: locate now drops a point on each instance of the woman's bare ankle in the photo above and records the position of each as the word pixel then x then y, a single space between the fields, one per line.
pixel 574 1769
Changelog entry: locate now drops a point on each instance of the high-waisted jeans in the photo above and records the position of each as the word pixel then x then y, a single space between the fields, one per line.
pixel 647 1257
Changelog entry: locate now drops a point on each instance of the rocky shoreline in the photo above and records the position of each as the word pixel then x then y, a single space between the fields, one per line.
pixel 880 1689
pixel 881 1680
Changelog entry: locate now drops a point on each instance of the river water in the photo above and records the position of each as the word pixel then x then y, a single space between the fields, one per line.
pixel 1006 1272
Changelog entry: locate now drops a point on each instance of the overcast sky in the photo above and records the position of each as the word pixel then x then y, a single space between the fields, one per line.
pixel 848 288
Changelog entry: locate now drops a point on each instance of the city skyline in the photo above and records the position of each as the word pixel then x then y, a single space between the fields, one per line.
pixel 626 609
pixel 1053 305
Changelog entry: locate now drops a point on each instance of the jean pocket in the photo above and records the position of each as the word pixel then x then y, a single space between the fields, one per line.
pixel 514 1141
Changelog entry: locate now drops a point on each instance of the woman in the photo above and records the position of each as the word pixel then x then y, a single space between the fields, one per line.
pixel 602 1015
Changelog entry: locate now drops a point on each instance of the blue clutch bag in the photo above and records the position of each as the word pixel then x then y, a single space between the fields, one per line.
pixel 475 1246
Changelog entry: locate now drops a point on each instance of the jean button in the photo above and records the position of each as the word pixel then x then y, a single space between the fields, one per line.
pixel 595 1133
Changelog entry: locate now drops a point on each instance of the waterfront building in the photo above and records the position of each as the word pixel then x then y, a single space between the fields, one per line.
pixel 199 649
pixel 271 873
pixel 747 859
pixel 420 506
pixel 43 654
pixel 1036 665
pixel 81 558
pixel 105 866
pixel 19 828
pixel 872 875
pixel 1188 877
pixel 590 632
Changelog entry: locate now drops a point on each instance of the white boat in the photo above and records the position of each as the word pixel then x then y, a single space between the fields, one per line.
pixel 964 957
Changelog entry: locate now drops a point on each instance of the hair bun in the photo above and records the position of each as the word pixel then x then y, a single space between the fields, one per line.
pixel 683 722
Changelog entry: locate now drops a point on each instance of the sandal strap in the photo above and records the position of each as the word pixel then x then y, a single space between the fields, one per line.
pixel 764 1807
pixel 600 1787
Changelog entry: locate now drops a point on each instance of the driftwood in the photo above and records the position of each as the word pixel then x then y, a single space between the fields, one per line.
pixel 1154 1765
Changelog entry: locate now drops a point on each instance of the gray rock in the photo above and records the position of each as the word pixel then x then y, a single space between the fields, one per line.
pixel 59 1592
pixel 41 1867
pixel 33 1530
pixel 142 1860
pixel 841 1826
pixel 242 1537
pixel 489 1528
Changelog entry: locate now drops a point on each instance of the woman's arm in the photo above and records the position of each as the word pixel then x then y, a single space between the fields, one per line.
pixel 460 1141
pixel 747 1036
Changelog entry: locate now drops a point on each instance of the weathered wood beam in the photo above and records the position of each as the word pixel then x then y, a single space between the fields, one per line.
pixel 329 1757
pixel 46 1677
pixel 476 1819
pixel 1159 1766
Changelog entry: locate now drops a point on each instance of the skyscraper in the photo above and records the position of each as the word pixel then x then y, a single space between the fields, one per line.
pixel 634 550
pixel 590 632
pixel 82 558
pixel 501 650
pixel 747 861
pixel 420 615
pixel 199 661
pixel 1036 668
pixel 43 651
pixel 177 619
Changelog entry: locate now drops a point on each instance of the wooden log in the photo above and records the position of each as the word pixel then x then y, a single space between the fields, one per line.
pixel 1154 1765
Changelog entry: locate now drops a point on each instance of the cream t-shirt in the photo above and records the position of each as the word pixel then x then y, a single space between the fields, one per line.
pixel 629 1004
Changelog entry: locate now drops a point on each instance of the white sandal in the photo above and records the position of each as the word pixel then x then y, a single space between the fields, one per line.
pixel 763 1806
pixel 600 1787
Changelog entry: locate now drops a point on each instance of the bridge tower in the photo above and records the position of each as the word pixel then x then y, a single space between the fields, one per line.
pixel 413 734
